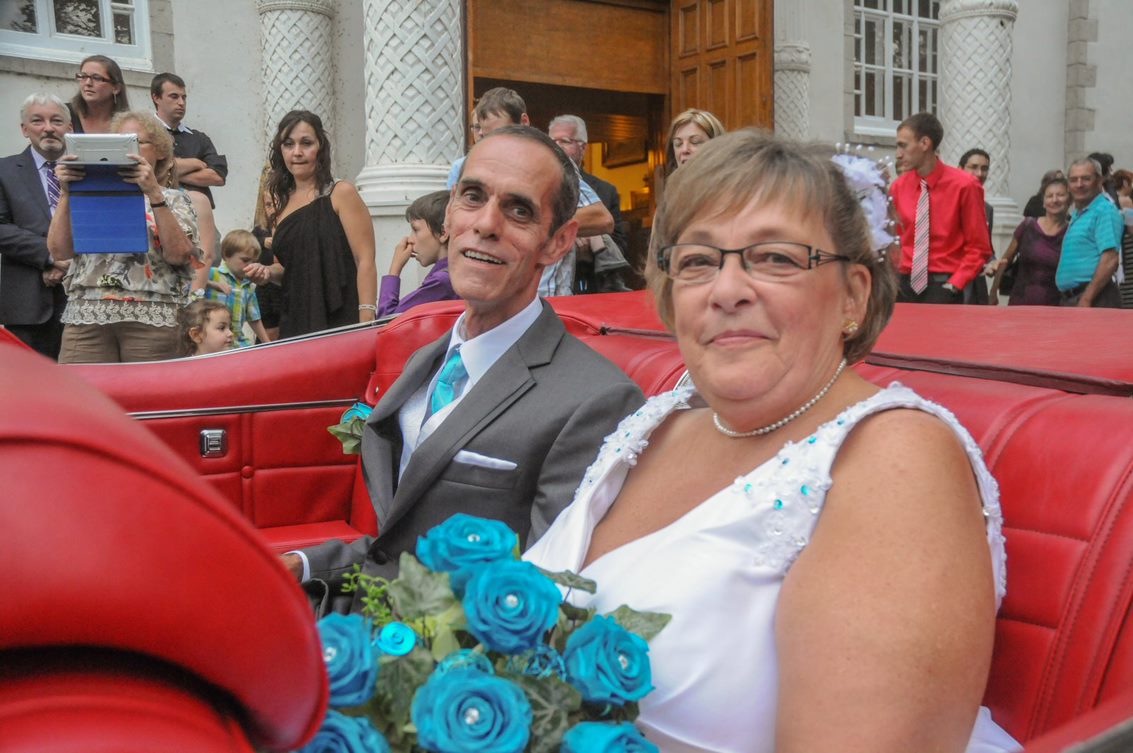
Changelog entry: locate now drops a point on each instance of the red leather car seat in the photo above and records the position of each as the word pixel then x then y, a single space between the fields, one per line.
pixel 139 606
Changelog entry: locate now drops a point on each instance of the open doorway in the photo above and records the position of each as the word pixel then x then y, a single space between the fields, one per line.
pixel 625 132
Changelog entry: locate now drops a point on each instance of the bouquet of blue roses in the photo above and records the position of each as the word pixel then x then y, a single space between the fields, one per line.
pixel 472 650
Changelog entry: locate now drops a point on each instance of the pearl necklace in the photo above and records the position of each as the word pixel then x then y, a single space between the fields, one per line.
pixel 782 421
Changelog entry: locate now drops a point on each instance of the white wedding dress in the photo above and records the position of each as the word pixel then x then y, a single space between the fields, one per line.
pixel 718 570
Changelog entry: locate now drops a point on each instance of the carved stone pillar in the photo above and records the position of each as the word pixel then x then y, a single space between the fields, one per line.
pixel 792 69
pixel 975 94
pixel 414 74
pixel 792 89
pixel 297 66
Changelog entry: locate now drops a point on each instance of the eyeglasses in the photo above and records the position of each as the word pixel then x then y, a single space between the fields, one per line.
pixel 475 127
pixel 93 77
pixel 772 261
pixel 567 142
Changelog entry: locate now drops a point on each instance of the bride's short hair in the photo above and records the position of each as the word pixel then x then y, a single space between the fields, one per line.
pixel 734 170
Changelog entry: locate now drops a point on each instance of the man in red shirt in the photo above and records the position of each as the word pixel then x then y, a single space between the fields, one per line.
pixel 944 238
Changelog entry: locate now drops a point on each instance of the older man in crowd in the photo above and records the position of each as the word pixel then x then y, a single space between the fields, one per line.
pixel 31 293
pixel 599 265
pixel 500 417
pixel 1090 248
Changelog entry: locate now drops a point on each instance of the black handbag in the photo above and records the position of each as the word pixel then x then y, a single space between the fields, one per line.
pixel 1007 280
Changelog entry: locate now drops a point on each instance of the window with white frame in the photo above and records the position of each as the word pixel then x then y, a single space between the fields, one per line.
pixel 896 60
pixel 70 30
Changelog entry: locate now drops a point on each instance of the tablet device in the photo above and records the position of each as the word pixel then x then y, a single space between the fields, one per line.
pixel 101 148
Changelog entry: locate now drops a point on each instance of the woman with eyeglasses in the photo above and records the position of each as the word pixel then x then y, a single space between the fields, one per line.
pixel 830 552
pixel 102 93
pixel 323 238
pixel 123 307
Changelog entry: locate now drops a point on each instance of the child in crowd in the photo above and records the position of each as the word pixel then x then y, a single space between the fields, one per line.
pixel 228 285
pixel 428 244
pixel 204 327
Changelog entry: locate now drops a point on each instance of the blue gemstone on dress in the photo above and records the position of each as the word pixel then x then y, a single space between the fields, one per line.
pixel 778 504
pixel 805 490
pixel 841 421
pixel 786 460
pixel 748 487
pixel 812 440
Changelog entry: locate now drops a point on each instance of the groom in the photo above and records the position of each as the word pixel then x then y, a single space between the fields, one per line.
pixel 501 417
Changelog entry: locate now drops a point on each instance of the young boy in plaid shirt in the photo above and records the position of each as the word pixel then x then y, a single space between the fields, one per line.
pixel 228 285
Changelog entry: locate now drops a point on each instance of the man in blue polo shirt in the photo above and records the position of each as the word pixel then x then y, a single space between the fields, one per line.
pixel 1089 249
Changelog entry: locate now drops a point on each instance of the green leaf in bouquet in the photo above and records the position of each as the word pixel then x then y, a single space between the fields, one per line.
pixel 349 432
pixel 570 618
pixel 375 598
pixel 645 624
pixel 444 643
pixel 552 703
pixel 418 592
pixel 398 679
pixel 567 579
pixel 575 614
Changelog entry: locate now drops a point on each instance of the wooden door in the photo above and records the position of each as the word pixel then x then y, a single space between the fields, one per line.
pixel 722 60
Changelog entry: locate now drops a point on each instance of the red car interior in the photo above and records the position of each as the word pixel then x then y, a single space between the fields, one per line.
pixel 1045 392
pixel 142 612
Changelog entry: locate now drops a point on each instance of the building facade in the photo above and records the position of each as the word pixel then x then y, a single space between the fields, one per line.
pixel 1034 82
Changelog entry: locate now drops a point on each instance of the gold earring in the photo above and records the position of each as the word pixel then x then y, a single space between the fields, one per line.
pixel 849 328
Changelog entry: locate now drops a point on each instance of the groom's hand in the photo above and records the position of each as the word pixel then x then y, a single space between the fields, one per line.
pixel 294 564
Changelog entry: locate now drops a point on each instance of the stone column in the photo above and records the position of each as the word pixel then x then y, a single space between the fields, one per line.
pixel 792 71
pixel 975 95
pixel 297 66
pixel 414 76
pixel 792 89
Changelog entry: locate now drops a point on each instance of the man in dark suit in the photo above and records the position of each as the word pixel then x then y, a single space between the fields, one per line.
pixel 31 294
pixel 501 417
pixel 600 273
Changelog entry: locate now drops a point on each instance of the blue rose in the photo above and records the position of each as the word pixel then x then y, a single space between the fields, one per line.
pixel 510 605
pixel 396 639
pixel 463 543
pixel 346 734
pixel 597 737
pixel 466 711
pixel 348 652
pixel 466 658
pixel 607 663
pixel 358 410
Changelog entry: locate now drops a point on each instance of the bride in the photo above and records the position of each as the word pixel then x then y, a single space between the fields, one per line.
pixel 830 551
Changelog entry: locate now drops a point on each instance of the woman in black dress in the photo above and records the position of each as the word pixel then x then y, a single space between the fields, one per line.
pixel 323 239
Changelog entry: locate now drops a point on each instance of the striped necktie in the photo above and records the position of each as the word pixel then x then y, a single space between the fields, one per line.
pixel 452 374
pixel 918 276
pixel 52 185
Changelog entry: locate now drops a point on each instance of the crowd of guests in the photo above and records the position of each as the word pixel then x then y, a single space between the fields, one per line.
pixel 1067 251
pixel 308 264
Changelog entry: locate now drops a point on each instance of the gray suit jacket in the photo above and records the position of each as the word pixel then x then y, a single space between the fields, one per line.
pixel 545 405
pixel 24 219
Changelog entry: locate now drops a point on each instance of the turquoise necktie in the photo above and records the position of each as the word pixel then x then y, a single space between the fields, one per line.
pixel 452 374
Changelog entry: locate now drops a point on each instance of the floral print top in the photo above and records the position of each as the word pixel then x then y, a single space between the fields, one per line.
pixel 110 288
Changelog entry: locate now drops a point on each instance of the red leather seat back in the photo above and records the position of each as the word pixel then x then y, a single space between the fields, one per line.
pixel 110 541
pixel 403 337
pixel 1064 463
